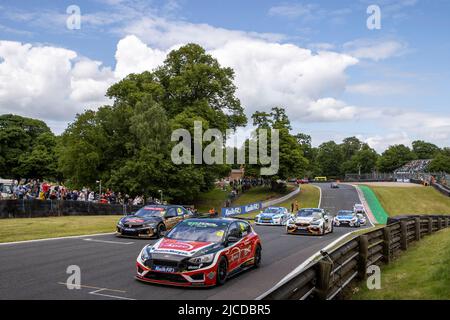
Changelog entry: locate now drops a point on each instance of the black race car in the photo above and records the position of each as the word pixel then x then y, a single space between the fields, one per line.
pixel 200 252
pixel 151 221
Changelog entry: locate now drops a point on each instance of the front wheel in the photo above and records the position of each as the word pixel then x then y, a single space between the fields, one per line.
pixel 222 271
pixel 257 257
pixel 159 231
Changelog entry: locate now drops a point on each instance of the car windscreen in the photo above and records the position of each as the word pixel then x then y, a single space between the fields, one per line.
pixel 306 213
pixel 345 213
pixel 202 231
pixel 272 210
pixel 151 212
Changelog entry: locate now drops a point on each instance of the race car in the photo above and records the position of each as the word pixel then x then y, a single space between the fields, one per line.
pixel 151 221
pixel 334 185
pixel 273 216
pixel 314 221
pixel 200 252
pixel 362 219
pixel 358 208
pixel 346 218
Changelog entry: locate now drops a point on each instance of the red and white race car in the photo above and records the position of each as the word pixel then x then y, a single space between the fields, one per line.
pixel 200 252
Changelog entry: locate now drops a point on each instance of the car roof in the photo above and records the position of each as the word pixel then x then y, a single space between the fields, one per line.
pixel 345 211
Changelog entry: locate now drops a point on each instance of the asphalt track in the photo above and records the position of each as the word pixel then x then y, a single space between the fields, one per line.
pixel 37 270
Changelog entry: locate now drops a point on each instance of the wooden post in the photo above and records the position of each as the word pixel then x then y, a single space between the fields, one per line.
pixel 404 235
pixel 430 225
pixel 363 256
pixel 386 245
pixel 417 228
pixel 323 279
pixel 439 223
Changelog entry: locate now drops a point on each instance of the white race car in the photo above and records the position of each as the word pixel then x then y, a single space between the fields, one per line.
pixel 310 221
pixel 346 218
pixel 362 219
pixel 359 208
pixel 273 216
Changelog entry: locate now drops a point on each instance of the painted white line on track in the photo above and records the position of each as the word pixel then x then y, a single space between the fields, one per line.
pixel 320 195
pixel 107 241
pixel 97 293
pixel 58 238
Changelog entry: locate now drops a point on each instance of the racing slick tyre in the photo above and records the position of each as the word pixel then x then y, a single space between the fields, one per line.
pixel 257 257
pixel 222 271
pixel 323 231
pixel 159 230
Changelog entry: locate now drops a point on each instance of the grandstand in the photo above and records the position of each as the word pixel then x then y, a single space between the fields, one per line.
pixel 414 166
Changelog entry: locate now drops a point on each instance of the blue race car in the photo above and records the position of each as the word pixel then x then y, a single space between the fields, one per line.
pixel 275 216
pixel 346 218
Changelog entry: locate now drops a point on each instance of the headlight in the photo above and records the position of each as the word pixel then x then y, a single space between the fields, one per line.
pixel 316 223
pixel 257 217
pixel 354 219
pixel 145 255
pixel 120 223
pixel 207 258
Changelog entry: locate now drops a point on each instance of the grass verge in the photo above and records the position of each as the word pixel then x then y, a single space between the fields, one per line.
pixel 50 227
pixel 414 200
pixel 422 272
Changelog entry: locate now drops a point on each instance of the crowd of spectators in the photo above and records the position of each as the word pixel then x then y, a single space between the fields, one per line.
pixel 35 189
pixel 414 166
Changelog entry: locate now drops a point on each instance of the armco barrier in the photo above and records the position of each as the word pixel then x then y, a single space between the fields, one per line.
pixel 238 210
pixel 330 274
pixel 48 208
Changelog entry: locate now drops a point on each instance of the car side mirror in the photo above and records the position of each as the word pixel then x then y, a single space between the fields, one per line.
pixel 232 239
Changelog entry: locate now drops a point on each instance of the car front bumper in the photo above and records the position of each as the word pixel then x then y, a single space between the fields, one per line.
pixel 294 229
pixel 145 232
pixel 205 277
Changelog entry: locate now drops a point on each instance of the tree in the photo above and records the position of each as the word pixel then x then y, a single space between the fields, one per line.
pixel 424 150
pixel 329 159
pixel 441 163
pixel 394 157
pixel 350 146
pixel 292 163
pixel 363 161
pixel 128 145
pixel 27 148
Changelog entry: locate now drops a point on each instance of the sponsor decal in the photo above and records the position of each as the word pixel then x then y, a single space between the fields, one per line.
pixel 234 211
pixel 185 248
pixel 134 220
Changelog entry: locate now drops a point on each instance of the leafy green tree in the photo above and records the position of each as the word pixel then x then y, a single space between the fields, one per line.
pixel 330 158
pixel 292 163
pixel 394 157
pixel 350 146
pixel 441 163
pixel 424 150
pixel 127 145
pixel 27 148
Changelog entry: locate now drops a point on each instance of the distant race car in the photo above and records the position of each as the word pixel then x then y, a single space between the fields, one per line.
pixel 151 221
pixel 362 219
pixel 273 216
pixel 359 208
pixel 346 218
pixel 303 181
pixel 310 221
pixel 200 252
pixel 334 185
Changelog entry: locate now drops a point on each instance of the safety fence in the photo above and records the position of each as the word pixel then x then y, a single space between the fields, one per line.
pixel 46 208
pixel 332 272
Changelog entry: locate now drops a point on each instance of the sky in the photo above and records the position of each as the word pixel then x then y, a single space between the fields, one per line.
pixel 335 76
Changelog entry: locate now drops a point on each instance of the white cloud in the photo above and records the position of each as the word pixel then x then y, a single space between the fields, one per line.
pixel 374 49
pixel 377 88
pixel 49 83
pixel 306 11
